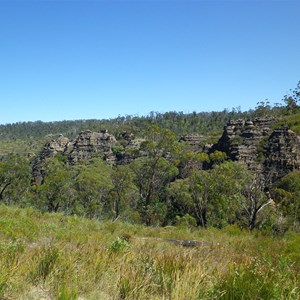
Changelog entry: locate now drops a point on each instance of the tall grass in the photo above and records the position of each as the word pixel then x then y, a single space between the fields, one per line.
pixel 50 256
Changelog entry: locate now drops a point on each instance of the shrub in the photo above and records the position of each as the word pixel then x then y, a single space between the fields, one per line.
pixel 119 244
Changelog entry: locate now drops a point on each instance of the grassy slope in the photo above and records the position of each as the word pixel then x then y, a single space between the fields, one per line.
pixel 50 256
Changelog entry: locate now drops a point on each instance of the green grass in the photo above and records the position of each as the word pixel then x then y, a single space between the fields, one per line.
pixel 50 256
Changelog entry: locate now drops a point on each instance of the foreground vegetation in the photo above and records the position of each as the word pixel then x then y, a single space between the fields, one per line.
pixel 51 256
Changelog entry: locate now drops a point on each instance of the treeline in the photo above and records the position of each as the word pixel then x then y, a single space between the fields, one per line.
pixel 178 122
pixel 205 123
pixel 167 185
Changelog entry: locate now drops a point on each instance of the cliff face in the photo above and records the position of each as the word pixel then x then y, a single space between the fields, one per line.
pixel 273 153
pixel 282 153
pixel 90 144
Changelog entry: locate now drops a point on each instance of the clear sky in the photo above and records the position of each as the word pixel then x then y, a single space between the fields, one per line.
pixel 66 60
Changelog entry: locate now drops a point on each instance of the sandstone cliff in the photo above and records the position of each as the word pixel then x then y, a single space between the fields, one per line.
pixel 90 144
pixel 274 153
pixel 282 153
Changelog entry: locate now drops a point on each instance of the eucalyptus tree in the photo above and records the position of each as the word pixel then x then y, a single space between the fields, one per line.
pixel 15 174
pixel 287 198
pixel 154 171
pixel 56 193
pixel 214 197
pixel 123 195
pixel 258 200
pixel 92 183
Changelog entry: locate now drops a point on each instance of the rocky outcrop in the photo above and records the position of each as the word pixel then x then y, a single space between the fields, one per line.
pixel 282 154
pixel 55 146
pixel 274 153
pixel 241 141
pixel 230 138
pixel 86 146
pixel 90 144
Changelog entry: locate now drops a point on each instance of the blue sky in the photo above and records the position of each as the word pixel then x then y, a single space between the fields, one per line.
pixel 66 60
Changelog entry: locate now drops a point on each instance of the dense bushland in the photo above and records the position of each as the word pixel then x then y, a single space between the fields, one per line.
pixel 167 185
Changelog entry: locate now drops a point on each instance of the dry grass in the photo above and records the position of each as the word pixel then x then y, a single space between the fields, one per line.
pixel 50 256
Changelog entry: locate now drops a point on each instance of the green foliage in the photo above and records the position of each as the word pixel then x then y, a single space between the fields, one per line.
pixel 118 245
pixel 153 172
pixel 257 281
pixel 15 175
pixel 118 149
pixel 237 140
pixel 287 196
pixel 292 251
pixel 32 135
pixel 189 161
pixel 167 183
pixel 217 157
pixel 263 109
pixel 292 101
pixel 261 150
pixel 291 121
pixel 125 288
pixel 186 220
pixel 56 193
pixel 123 195
pixel 258 207
pixel 82 189
pixel 92 183
pixel 214 197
